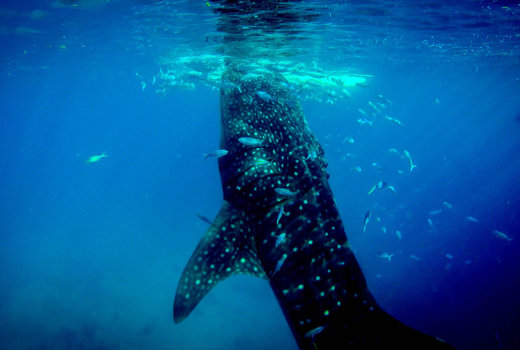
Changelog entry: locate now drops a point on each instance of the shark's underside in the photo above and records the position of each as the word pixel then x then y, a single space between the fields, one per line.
pixel 279 221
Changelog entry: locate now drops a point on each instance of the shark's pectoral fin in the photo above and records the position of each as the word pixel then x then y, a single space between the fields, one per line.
pixel 227 248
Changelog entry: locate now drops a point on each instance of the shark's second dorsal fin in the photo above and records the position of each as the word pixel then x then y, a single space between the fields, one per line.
pixel 226 249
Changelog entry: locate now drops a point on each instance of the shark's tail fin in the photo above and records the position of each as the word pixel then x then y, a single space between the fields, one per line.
pixel 395 333
pixel 226 249
pixel 378 330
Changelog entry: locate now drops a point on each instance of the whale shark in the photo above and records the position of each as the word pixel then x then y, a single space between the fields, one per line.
pixel 279 221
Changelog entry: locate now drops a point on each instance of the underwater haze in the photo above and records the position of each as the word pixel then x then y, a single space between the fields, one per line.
pixel 106 111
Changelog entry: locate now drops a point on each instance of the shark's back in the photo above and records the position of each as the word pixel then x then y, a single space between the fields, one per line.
pixel 280 221
pixel 262 107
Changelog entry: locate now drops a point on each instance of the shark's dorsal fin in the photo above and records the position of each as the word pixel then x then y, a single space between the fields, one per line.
pixel 227 248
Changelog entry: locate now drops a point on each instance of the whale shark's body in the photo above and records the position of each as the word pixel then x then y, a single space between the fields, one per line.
pixel 279 221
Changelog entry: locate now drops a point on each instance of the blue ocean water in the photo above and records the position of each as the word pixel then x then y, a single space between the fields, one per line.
pixel 91 253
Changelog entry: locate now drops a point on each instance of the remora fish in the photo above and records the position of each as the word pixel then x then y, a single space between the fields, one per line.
pixel 217 154
pixel 314 274
pixel 250 141
pixel 205 219
pixel 285 192
pixel 264 96
pixel 366 220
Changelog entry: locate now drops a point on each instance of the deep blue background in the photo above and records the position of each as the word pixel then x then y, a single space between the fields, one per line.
pixel 90 254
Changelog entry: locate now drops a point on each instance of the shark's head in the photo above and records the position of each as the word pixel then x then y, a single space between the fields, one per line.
pixel 263 109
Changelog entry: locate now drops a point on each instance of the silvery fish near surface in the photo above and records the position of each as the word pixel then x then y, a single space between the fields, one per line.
pixel 280 214
pixel 205 219
pixel 312 155
pixel 502 235
pixel 435 212
pixel 364 121
pixel 225 84
pixel 285 192
pixel 279 239
pixel 250 141
pixel 217 154
pixel 264 96
pixel 472 219
pixel 279 264
pixel 314 331
pixel 386 256
pixel 366 220
pixel 409 157
pixel 447 205
pixel 314 274
pixel 96 158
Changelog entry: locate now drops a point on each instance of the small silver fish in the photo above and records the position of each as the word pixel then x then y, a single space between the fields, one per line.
pixel 280 214
pixel 279 239
pixel 363 121
pixel 312 155
pixel 250 141
pixel 217 154
pixel 447 205
pixel 393 150
pixel 502 235
pixel 472 219
pixel 205 219
pixel 377 166
pixel 285 192
pixel 279 264
pixel 409 157
pixel 264 96
pixel 380 185
pixel 435 212
pixel 387 100
pixel 373 106
pixel 96 158
pixel 226 84
pixel 349 140
pixel 366 220
pixel 386 256
pixel 396 121
pixel 313 332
